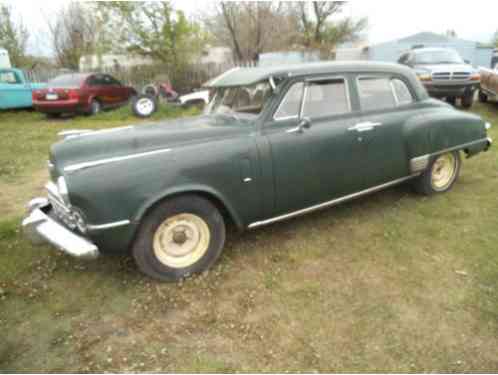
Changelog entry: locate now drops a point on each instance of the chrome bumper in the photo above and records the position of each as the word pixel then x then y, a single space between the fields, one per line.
pixel 40 228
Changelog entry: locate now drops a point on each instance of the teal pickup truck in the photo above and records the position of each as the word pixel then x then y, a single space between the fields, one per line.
pixel 15 89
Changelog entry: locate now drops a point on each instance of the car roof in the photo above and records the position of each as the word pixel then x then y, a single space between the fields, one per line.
pixel 248 76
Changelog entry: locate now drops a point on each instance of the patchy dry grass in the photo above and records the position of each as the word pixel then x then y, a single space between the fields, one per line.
pixel 391 282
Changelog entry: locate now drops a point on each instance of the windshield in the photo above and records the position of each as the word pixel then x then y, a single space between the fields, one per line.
pixel 248 100
pixel 438 57
pixel 67 81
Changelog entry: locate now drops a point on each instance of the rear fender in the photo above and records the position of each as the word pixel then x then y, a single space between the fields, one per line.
pixel 434 133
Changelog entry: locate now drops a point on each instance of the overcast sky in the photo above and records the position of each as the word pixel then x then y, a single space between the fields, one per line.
pixel 475 20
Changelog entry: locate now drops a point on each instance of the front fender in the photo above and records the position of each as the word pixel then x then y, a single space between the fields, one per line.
pixel 190 189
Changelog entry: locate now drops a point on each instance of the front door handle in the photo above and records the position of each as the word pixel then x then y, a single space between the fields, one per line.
pixel 365 126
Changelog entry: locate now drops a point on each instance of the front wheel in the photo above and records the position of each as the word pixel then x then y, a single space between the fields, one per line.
pixel 467 99
pixel 179 237
pixel 440 175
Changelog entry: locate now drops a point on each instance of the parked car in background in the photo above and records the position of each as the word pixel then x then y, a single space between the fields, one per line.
pixel 273 143
pixel 81 93
pixel 197 99
pixel 444 73
pixel 494 59
pixel 15 89
pixel 489 84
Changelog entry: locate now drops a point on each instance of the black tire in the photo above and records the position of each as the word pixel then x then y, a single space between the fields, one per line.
pixel 451 100
pixel 467 99
pixel 424 183
pixel 145 252
pixel 52 116
pixel 483 98
pixel 144 106
pixel 95 108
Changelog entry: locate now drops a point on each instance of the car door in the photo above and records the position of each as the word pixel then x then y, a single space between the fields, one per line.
pixel 385 102
pixel 313 152
pixel 14 92
pixel 120 93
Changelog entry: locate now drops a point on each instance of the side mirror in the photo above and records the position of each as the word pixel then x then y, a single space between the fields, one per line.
pixel 467 61
pixel 305 123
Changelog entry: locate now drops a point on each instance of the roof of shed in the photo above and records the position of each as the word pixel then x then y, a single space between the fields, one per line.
pixel 248 76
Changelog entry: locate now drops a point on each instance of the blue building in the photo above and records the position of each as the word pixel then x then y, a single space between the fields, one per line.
pixel 477 54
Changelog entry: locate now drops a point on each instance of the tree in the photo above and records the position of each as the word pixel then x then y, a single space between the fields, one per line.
pixel 317 29
pixel 73 34
pixel 251 28
pixel 13 37
pixel 153 29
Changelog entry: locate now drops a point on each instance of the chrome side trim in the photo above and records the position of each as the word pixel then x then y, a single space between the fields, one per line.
pixel 108 225
pixel 455 148
pixel 95 163
pixel 419 164
pixel 333 202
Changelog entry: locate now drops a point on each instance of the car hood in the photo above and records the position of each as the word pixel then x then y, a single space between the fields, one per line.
pixel 442 68
pixel 129 140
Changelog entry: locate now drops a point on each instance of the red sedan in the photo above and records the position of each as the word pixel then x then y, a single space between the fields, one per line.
pixel 81 93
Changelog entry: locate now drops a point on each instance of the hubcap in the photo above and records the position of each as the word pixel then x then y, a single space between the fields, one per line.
pixel 181 240
pixel 145 106
pixel 443 171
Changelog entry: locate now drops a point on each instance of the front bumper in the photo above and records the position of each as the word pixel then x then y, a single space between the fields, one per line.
pixel 40 228
pixel 442 90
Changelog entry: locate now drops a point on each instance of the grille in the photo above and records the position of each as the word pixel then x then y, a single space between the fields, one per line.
pixel 60 209
pixel 447 76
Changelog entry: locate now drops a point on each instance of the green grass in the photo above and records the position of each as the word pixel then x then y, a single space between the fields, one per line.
pixel 390 282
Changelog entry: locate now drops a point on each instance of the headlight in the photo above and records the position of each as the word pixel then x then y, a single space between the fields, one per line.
pixel 62 187
pixel 487 126
pixel 424 77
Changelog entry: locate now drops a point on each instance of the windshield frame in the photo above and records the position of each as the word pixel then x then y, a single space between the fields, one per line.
pixel 444 56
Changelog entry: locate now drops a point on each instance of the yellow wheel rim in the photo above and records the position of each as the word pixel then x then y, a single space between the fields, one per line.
pixel 443 171
pixel 181 240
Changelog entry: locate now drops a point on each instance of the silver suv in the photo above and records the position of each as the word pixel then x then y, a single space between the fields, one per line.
pixel 444 73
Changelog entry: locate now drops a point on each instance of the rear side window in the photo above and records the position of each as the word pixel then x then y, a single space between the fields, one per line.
pixel 291 104
pixel 326 98
pixel 375 93
pixel 401 92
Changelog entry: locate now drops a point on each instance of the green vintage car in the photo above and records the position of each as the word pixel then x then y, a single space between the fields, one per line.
pixel 273 143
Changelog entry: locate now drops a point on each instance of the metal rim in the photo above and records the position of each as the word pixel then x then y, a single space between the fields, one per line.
pixel 443 171
pixel 181 240
pixel 95 107
pixel 145 106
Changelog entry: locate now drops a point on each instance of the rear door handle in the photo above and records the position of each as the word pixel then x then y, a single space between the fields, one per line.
pixel 365 126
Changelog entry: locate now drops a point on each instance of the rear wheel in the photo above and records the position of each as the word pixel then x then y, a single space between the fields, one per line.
pixel 483 98
pixel 95 107
pixel 440 175
pixel 53 115
pixel 468 99
pixel 180 237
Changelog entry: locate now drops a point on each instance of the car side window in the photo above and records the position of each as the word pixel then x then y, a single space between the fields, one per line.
pixel 93 81
pixel 291 104
pixel 326 98
pixel 402 93
pixel 376 93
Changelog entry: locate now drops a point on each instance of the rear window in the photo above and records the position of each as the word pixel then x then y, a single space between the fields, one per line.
pixel 67 81
pixel 8 77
